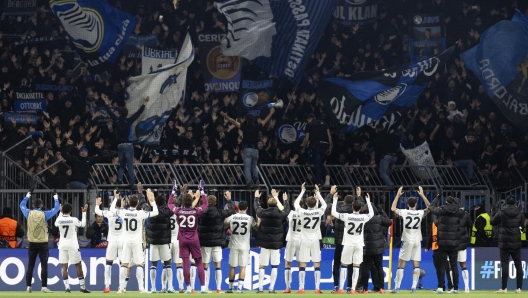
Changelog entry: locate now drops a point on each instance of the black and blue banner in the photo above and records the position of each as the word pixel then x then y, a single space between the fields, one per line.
pixel 349 12
pixel 29 102
pixel 135 43
pixel 280 36
pixel 366 97
pixel 500 61
pixel 254 96
pixel 97 29
pixel 427 36
pixel 19 7
pixel 290 131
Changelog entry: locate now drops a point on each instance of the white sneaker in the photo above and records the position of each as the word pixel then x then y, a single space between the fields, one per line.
pixel 466 290
pixel 439 291
pixel 501 291
pixel 28 289
pixel 119 291
pixel 450 291
pixel 143 291
pixel 518 291
pixel 46 290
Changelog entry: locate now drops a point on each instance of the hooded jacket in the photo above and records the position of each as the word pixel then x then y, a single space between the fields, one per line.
pixel 271 232
pixel 211 225
pixel 159 227
pixel 465 227
pixel 448 221
pixel 373 233
pixel 511 220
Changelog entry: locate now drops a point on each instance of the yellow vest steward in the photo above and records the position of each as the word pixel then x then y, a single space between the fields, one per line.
pixel 488 228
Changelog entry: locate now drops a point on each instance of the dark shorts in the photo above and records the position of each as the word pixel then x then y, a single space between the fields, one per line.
pixel 190 247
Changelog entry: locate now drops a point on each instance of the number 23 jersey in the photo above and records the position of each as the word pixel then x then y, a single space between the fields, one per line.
pixel 240 225
pixel 354 226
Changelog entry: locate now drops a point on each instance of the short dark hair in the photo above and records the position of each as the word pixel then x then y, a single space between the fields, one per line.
pixel 187 200
pixel 242 205
pixel 311 202
pixel 412 202
pixel 349 199
pixel 160 200
pixel 37 203
pixel 450 200
pixel 66 208
pixel 510 200
pixel 133 201
pixel 357 205
pixel 123 112
pixel 118 203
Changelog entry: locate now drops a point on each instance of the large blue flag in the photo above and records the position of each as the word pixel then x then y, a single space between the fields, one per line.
pixel 366 97
pixel 97 29
pixel 500 61
pixel 279 35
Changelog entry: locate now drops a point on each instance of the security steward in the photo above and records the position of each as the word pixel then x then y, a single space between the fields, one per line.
pixel 511 221
pixel 319 139
pixel 9 228
pixel 37 233
pixel 482 231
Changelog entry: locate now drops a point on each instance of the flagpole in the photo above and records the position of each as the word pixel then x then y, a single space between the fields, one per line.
pixel 390 254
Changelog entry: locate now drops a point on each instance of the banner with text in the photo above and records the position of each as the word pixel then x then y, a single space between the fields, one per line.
pixel 135 43
pixel 96 28
pixel 349 12
pixel 21 118
pixel 154 59
pixel 427 36
pixel 500 61
pixel 421 159
pixel 255 95
pixel 18 7
pixel 366 97
pixel 280 36
pixel 221 73
pixel 29 102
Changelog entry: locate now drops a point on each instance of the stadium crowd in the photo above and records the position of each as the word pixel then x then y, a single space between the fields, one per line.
pixel 453 115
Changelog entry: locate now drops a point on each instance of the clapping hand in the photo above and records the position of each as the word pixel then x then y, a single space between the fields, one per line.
pixel 85 208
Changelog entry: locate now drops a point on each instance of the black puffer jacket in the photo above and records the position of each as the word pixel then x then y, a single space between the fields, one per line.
pixel 511 219
pixel 211 225
pixel 271 231
pixel 373 233
pixel 448 218
pixel 465 228
pixel 159 227
pixel 339 225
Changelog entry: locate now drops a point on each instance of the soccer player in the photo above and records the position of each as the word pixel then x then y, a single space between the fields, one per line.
pixel 187 219
pixel 411 242
pixel 293 244
pixel 133 248
pixel 240 224
pixel 270 237
pixel 310 236
pixel 159 239
pixel 212 236
pixel 115 244
pixel 69 245
pixel 353 241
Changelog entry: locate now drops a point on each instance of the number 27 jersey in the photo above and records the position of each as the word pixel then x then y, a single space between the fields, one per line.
pixel 354 226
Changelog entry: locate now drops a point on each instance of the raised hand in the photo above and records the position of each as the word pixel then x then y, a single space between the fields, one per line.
pixel 400 191
pixel 302 186
pixel 420 191
pixel 227 195
pixel 98 201
pixel 257 193
pixel 316 188
pixel 367 197
pixel 358 191
pixel 274 193
pixel 284 196
pixel 85 208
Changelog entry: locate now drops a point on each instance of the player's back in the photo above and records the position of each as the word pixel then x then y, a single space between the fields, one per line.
pixel 310 221
pixel 240 225
pixel 354 227
pixel 187 219
pixel 68 231
pixel 294 227
pixel 412 220
pixel 174 229
pixel 115 226
pixel 133 221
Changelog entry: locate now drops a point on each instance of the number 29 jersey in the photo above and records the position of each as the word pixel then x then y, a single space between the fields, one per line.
pixel 412 220
pixel 354 226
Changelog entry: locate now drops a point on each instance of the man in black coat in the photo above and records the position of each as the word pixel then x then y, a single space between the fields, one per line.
pixel 159 238
pixel 81 164
pixel 212 236
pixel 511 221
pixel 465 225
pixel 448 218
pixel 270 237
pixel 374 248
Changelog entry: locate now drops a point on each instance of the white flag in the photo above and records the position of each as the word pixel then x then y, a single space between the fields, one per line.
pixel 153 59
pixel 420 158
pixel 165 87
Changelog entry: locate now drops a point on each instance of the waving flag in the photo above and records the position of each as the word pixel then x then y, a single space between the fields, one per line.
pixel 500 61
pixel 279 35
pixel 368 96
pixel 97 29
pixel 165 87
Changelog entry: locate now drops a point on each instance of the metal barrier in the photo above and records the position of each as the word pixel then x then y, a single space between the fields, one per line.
pixel 149 174
pixel 12 198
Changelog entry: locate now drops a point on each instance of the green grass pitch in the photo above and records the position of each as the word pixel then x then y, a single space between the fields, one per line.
pixel 250 294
